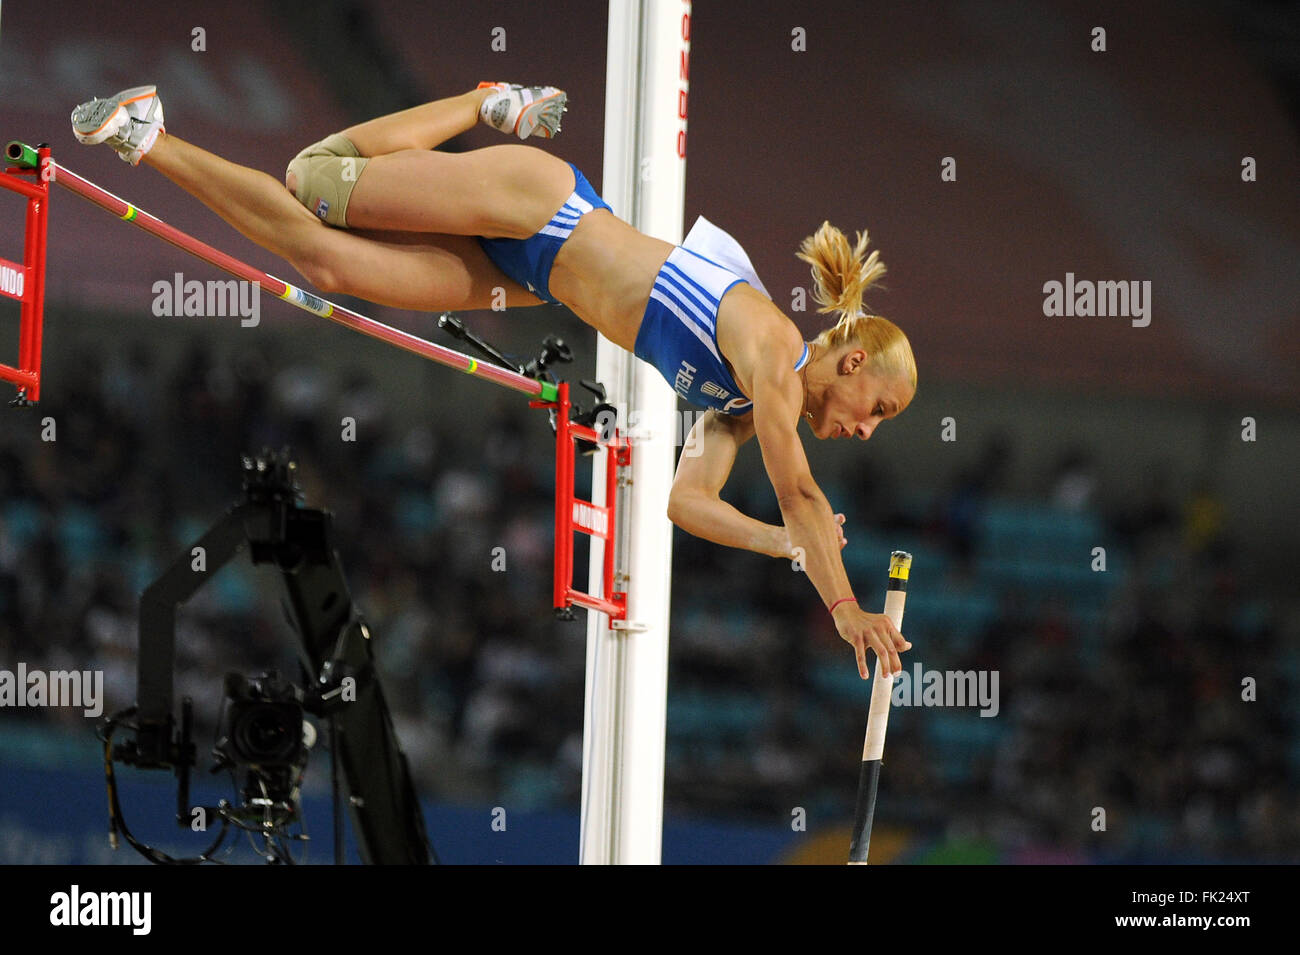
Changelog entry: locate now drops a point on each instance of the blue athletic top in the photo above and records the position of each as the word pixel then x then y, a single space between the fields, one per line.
pixel 678 334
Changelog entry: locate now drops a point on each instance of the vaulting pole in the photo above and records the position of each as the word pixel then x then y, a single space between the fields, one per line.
pixel 627 663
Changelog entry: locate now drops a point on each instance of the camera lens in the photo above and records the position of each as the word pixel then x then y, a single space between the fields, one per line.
pixel 267 733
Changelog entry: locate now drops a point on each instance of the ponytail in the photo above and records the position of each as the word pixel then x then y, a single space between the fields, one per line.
pixel 841 275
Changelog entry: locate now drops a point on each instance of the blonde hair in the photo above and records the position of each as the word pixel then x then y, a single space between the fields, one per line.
pixel 841 276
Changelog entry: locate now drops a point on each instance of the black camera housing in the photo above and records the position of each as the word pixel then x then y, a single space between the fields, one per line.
pixel 263 723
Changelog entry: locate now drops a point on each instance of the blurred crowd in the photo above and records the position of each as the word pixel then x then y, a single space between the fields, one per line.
pixel 1144 720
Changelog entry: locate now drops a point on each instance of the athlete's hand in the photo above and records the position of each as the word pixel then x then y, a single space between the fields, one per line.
pixel 875 630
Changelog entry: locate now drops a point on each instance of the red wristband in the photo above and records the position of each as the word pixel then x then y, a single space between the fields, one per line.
pixel 840 601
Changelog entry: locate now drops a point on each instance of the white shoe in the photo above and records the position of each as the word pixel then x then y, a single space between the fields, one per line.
pixel 130 122
pixel 524 110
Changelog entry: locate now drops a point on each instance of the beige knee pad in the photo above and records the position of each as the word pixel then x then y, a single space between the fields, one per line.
pixel 326 172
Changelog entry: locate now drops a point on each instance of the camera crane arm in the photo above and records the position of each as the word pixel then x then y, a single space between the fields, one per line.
pixel 336 647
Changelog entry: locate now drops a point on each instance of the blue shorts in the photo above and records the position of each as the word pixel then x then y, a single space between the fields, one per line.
pixel 528 261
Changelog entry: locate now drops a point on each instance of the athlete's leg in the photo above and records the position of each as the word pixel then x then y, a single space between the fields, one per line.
pixel 501 191
pixel 250 200
pixel 420 127
pixel 422 272
pixel 427 273
pixel 324 175
pixel 383 173
pixel 522 110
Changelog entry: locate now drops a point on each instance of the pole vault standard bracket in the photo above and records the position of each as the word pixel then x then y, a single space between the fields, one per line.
pixel 574 515
pixel 628 625
pixel 26 282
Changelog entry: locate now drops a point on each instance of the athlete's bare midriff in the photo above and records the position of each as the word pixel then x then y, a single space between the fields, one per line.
pixel 605 271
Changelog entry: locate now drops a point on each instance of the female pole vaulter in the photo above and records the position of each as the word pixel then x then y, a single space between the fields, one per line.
pixel 376 212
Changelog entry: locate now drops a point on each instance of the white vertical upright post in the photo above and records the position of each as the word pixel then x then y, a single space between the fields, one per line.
pixel 627 668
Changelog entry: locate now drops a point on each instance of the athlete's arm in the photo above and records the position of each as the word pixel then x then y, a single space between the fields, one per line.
pixel 778 400
pixel 694 503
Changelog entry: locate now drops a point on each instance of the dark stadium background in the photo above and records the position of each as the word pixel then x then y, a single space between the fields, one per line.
pixel 1120 690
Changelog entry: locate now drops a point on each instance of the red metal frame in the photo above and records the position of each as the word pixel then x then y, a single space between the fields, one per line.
pixel 574 515
pixel 34 185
